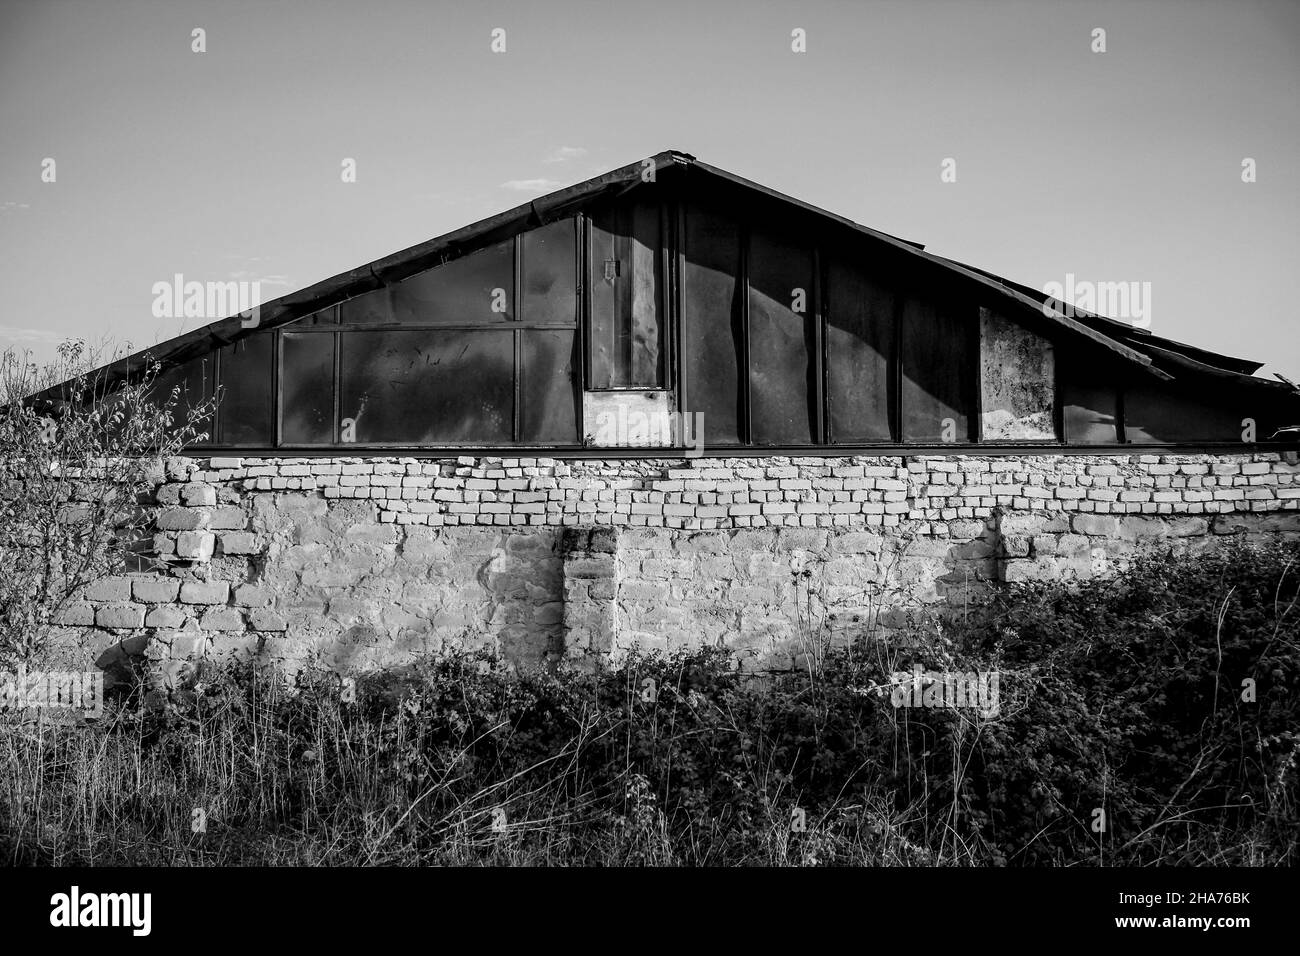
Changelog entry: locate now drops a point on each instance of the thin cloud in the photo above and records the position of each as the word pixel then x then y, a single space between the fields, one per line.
pixel 246 276
pixel 531 185
pixel 9 206
pixel 10 333
pixel 565 154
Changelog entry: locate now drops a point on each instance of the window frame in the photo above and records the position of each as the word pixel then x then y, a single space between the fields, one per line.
pixel 515 325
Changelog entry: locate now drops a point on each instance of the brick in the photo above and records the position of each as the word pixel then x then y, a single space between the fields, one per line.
pixel 155 590
pixel 165 617
pixel 198 495
pixel 119 615
pixel 109 589
pixel 205 592
pixel 1097 525
pixel 227 518
pixel 168 496
pixel 239 542
pixel 182 519
pixel 76 615
pixel 264 619
pixel 194 545
pixel 222 619
pixel 185 644
pixel 594 567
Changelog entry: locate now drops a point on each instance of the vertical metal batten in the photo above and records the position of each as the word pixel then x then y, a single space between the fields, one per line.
pixel 663 297
pixel 587 264
pixel 517 307
pixel 1121 426
pixel 895 369
pixel 975 429
pixel 742 280
pixel 679 297
pixel 579 319
pixel 1058 399
pixel 275 386
pixel 819 349
pixel 216 392
pixel 338 387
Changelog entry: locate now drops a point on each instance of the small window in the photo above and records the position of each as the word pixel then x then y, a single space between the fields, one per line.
pixel 193 384
pixel 477 288
pixel 550 274
pixel 627 347
pixel 548 393
pixel 427 387
pixel 244 416
pixel 192 381
pixel 372 308
pixel 307 384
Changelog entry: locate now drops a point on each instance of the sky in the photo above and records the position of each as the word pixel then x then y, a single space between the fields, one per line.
pixel 994 132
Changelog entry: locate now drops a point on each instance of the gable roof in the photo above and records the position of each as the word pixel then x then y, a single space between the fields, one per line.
pixel 1138 348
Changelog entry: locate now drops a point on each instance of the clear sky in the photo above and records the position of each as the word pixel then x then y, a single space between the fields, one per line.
pixel 1117 166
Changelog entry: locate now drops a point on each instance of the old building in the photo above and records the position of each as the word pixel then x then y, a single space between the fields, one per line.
pixel 664 407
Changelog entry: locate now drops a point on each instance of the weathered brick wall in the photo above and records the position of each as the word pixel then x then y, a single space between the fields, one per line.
pixel 365 562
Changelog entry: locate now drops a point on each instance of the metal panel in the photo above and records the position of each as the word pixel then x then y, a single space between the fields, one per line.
pixel 1091 411
pixel 246 381
pixel 1090 399
pixel 713 341
pixel 477 288
pixel 550 274
pixel 782 342
pixel 372 308
pixel 193 383
pixel 424 387
pixel 938 357
pixel 549 393
pixel 1161 413
pixel 307 380
pixel 860 341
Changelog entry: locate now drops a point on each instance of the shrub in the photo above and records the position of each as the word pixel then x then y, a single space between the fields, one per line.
pixel 77 454
pixel 1123 695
